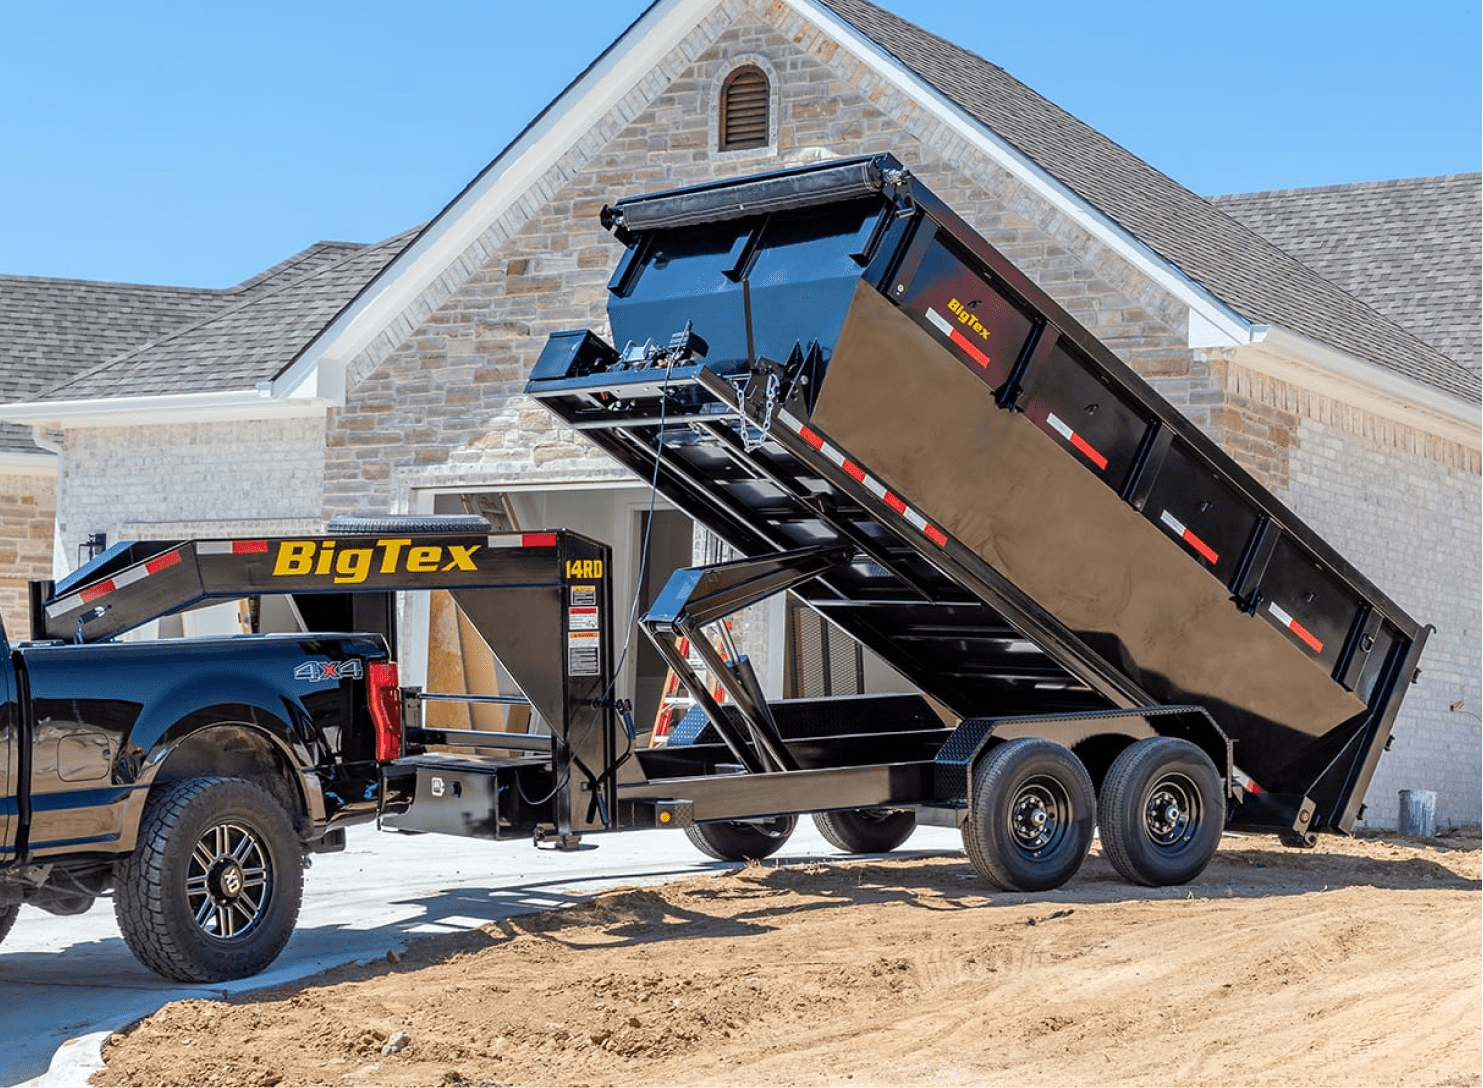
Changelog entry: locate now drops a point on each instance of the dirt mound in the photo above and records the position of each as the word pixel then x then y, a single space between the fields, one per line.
pixel 1357 962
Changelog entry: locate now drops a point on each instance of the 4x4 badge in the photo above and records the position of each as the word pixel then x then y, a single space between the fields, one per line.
pixel 314 671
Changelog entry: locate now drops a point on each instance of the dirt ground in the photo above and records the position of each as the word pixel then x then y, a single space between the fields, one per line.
pixel 1354 963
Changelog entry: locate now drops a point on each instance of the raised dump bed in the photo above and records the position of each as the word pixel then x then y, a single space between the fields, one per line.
pixel 829 361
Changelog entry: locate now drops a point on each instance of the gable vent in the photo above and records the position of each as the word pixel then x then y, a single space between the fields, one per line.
pixel 744 109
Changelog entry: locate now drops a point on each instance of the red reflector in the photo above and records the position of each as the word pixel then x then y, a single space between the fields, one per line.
pixel 894 503
pixel 813 439
pixel 1200 546
pixel 1307 636
pixel 249 547
pixel 102 589
pixel 970 347
pixel 160 562
pixel 854 470
pixel 1088 451
pixel 385 700
pixel 936 535
pixel 538 540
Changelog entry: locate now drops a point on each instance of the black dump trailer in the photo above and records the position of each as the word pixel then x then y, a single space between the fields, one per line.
pixel 1109 618
pixel 1106 621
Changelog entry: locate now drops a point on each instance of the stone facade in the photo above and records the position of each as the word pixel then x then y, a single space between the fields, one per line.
pixel 436 403
pixel 27 514
pixel 443 407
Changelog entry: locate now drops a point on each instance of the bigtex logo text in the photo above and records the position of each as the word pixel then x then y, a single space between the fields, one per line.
pixel 352 565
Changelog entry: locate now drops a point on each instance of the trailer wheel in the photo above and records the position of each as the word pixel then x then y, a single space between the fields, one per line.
pixel 741 840
pixel 1030 824
pixel 213 889
pixel 1161 812
pixel 7 918
pixel 866 830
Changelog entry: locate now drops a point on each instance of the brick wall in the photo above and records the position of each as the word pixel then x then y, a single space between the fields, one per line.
pixel 27 517
pixel 1404 508
pixel 191 479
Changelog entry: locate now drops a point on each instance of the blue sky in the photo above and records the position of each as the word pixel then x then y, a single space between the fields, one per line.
pixel 197 143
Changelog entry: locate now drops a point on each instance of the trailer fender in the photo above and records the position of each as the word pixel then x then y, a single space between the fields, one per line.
pixel 1096 737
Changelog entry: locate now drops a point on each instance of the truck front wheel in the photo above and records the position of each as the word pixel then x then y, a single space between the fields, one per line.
pixel 1161 812
pixel 213 889
pixel 741 840
pixel 1030 822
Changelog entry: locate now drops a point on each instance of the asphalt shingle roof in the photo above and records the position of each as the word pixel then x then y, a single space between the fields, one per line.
pixel 51 329
pixel 1247 272
pixel 271 321
pixel 1410 249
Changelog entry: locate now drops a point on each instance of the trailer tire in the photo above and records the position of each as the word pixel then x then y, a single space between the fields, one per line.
pixel 1161 812
pixel 741 840
pixel 214 855
pixel 1031 815
pixel 7 918
pixel 866 830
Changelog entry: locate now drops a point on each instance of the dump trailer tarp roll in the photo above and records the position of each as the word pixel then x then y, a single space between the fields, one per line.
pixel 1035 530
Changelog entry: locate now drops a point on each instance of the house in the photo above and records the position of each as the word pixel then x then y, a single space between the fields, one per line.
pixel 391 377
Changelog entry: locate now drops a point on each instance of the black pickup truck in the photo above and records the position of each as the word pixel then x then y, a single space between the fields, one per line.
pixel 189 778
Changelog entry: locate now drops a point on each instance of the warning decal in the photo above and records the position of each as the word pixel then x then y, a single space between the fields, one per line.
pixel 582 653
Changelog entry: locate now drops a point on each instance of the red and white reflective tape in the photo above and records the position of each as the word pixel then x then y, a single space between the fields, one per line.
pixel 232 547
pixel 953 333
pixel 1184 534
pixel 89 594
pixel 1286 620
pixel 1062 428
pixel 913 517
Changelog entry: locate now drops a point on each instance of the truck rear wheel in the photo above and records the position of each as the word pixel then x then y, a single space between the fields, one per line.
pixel 742 840
pixel 213 889
pixel 866 830
pixel 1161 812
pixel 7 918
pixel 1030 823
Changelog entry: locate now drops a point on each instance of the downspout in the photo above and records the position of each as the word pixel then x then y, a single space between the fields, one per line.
pixel 39 436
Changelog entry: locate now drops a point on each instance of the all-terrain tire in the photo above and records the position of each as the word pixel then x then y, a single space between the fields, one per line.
pixel 728 840
pixel 212 891
pixel 1032 815
pixel 866 830
pixel 1161 812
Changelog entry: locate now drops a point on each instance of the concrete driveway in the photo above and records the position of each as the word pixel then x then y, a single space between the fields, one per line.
pixel 68 982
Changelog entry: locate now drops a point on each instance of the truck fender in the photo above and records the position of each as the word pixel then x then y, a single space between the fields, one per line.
pixel 231 740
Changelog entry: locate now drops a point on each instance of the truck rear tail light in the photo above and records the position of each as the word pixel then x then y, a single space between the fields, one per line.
pixel 383 694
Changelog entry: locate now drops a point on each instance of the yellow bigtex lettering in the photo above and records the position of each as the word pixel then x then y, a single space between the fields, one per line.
pixel 351 565
pixel 966 318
